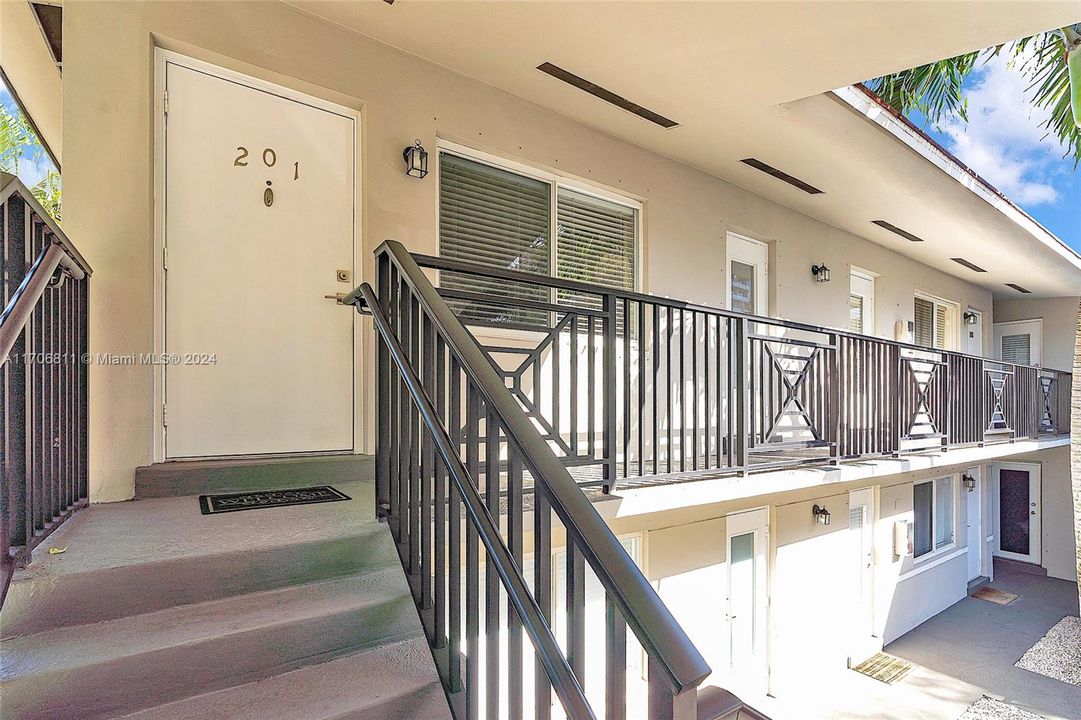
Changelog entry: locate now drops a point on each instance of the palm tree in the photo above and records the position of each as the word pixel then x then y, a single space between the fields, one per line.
pixel 1052 63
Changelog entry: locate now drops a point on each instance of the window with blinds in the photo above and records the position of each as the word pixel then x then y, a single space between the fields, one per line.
pixel 1017 349
pixel 934 324
pixel 933 515
pixel 855 313
pixel 493 216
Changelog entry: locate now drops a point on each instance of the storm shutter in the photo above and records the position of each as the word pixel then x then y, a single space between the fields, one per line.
pixel 490 216
pixel 1017 349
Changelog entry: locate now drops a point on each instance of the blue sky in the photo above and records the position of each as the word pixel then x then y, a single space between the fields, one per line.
pixel 1004 143
pixel 35 162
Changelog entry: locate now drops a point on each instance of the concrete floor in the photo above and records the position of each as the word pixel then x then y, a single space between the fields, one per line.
pixel 960 655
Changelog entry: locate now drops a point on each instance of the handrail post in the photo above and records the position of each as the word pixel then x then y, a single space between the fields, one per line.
pixel 609 392
pixel 382 407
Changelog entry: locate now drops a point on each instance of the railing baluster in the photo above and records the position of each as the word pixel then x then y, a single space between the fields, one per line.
pixel 626 418
pixel 591 389
pixel 641 337
pixel 609 392
pixel 492 596
pixel 515 535
pixel 427 472
pixel 668 385
pixel 682 393
pixel 573 395
pixel 576 611
pixel 694 390
pixel 542 590
pixel 472 560
pixel 615 691
pixel 415 499
pixel 454 539
pixel 440 502
pixel 656 385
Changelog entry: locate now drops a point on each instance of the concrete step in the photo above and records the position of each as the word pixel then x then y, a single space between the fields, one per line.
pixel 392 682
pixel 203 477
pixel 120 666
pixel 127 559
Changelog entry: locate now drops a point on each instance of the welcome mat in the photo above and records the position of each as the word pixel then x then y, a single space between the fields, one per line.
pixel 990 594
pixel 884 668
pixel 1058 653
pixel 232 502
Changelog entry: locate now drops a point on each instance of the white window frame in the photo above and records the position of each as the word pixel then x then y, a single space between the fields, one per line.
pixel 955 339
pixel 555 182
pixel 936 552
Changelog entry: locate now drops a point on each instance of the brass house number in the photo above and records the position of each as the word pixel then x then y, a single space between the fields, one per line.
pixel 270 159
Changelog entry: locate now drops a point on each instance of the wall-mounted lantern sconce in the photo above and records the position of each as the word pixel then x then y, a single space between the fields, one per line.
pixel 822 515
pixel 821 273
pixel 969 482
pixel 970 318
pixel 416 160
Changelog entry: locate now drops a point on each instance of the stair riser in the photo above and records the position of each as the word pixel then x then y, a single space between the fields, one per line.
pixel 45 603
pixel 200 478
pixel 130 684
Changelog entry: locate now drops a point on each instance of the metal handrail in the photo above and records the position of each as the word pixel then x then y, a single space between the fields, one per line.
pixel 652 622
pixel 25 298
pixel 559 671
pixel 435 262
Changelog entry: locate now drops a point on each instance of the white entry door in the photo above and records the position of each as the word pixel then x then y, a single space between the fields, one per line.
pixel 974 521
pixel 861 523
pixel 747 275
pixel 746 601
pixel 1017 511
pixel 259 197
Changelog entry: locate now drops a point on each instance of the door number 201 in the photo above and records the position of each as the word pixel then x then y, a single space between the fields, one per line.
pixel 270 159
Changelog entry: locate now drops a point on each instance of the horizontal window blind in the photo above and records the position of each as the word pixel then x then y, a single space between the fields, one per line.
pixel 1017 349
pixel 494 217
pixel 855 313
pixel 595 240
pixel 943 512
pixel 922 529
pixel 924 333
pixel 942 326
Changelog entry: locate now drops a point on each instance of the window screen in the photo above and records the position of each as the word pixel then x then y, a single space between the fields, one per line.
pixel 493 217
pixel 922 502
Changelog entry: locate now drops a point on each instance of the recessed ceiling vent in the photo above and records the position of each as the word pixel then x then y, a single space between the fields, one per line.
pixel 966 263
pixel 780 175
pixel 1019 289
pixel 605 94
pixel 896 230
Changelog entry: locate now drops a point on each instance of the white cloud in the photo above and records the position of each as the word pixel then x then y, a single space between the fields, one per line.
pixel 1003 140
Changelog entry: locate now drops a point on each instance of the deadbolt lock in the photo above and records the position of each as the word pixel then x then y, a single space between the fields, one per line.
pixel 344 275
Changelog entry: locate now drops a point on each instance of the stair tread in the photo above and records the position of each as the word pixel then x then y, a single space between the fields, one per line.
pixel 396 681
pixel 69 647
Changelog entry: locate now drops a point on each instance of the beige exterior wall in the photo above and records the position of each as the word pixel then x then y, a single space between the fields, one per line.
pixel 29 67
pixel 1059 323
pixel 1057 544
pixel 108 176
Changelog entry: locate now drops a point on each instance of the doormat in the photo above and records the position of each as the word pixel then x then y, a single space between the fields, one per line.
pixel 1058 653
pixel 990 594
pixel 990 709
pixel 232 502
pixel 884 668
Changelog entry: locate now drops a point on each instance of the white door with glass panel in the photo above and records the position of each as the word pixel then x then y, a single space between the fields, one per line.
pixel 747 276
pixel 746 600
pixel 861 302
pixel 1020 342
pixel 974 523
pixel 258 192
pixel 1017 511
pixel 861 521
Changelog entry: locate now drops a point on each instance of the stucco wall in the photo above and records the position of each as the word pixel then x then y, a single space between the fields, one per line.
pixel 108 182
pixel 29 67
pixel 1057 544
pixel 1059 325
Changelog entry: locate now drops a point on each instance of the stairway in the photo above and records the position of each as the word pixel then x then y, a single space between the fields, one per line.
pixel 155 611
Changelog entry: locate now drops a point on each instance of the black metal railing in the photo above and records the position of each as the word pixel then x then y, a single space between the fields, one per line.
pixel 43 397
pixel 626 385
pixel 464 476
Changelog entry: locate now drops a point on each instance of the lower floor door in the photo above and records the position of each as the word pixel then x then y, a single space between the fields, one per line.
pixel 1017 511
pixel 746 601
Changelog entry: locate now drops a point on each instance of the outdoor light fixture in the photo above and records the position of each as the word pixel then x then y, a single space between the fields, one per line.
pixel 969 482
pixel 970 318
pixel 821 273
pixel 822 515
pixel 416 160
